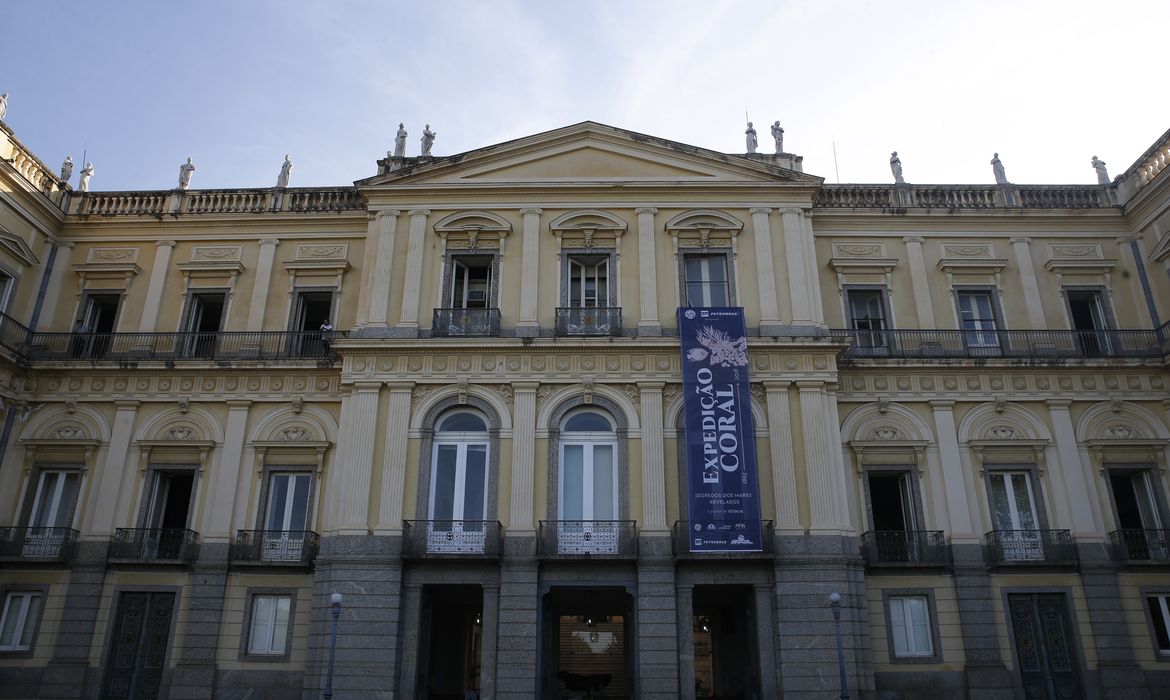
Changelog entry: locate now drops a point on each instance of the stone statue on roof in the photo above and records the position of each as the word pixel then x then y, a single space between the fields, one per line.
pixel 896 168
pixel 67 168
pixel 3 105
pixel 428 140
pixel 185 172
pixel 778 134
pixel 752 143
pixel 1102 173
pixel 400 141
pixel 285 172
pixel 997 169
pixel 86 174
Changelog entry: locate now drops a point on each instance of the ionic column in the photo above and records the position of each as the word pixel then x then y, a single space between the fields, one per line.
pixel 350 478
pixel 649 324
pixel 379 294
pixel 951 472
pixel 394 459
pixel 783 459
pixel 1087 519
pixel 408 319
pixel 1032 301
pixel 810 267
pixel 798 282
pixel 765 268
pixel 261 284
pixel 154 290
pixel 528 325
pixel 653 467
pixel 232 479
pixel 523 455
pixel 919 282
pixel 819 464
pixel 114 474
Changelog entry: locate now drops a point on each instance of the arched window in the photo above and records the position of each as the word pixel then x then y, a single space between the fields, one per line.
pixel 459 482
pixel 588 495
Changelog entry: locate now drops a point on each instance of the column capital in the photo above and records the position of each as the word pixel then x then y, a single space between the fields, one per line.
pixel 367 387
pixel 791 210
pixel 419 212
pixel 1020 239
pixel 525 386
pixel 648 387
pixel 913 239
pixel 239 404
pixel 165 244
pixel 646 210
pixel 1060 404
pixel 942 405
pixel 400 386
pixel 531 211
pixel 810 385
pixel 777 385
pixel 270 241
pixel 381 213
pixel 760 210
pixel 127 404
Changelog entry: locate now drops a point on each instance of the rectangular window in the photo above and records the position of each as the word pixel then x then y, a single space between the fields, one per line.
pixel 867 316
pixel 54 499
pixel 588 282
pixel 269 625
pixel 706 280
pixel 288 502
pixel 471 282
pixel 18 620
pixel 1159 606
pixel 977 317
pixel 1013 512
pixel 910 625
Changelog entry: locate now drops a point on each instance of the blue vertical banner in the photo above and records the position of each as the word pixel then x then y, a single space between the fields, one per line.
pixel 722 480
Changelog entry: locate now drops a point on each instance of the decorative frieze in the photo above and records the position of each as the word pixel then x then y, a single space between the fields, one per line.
pixel 174 387
pixel 979 382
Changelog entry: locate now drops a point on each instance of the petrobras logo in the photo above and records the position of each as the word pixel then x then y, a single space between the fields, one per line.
pixel 689 313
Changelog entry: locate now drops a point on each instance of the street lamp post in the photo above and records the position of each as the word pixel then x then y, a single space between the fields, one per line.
pixel 835 603
pixel 335 610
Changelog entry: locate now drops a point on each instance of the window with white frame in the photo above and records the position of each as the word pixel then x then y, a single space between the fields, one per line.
pixel 588 494
pixel 470 285
pixel 1159 608
pixel 706 280
pixel 459 483
pixel 867 316
pixel 588 277
pixel 19 619
pixel 286 516
pixel 977 317
pixel 268 627
pixel 54 498
pixel 910 625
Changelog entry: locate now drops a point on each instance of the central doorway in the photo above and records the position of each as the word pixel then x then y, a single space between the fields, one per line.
pixel 1043 639
pixel 451 640
pixel 138 650
pixel 723 629
pixel 588 646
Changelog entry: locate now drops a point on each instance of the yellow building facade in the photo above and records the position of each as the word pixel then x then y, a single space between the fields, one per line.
pixel 452 393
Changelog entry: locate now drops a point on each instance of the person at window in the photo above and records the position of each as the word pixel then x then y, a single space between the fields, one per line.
pixel 326 333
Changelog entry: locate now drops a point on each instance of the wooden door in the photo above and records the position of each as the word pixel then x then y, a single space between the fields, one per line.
pixel 137 659
pixel 1044 651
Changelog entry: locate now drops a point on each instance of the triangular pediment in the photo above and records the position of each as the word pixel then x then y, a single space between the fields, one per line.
pixel 587 153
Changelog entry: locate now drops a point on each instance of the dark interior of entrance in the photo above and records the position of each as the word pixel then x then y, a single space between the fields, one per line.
pixel 723 629
pixel 451 641
pixel 586 651
pixel 204 321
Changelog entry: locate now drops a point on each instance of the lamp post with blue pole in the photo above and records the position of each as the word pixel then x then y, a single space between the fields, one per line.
pixel 335 610
pixel 835 603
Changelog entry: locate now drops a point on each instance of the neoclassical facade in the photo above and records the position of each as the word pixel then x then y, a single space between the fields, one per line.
pixel 959 396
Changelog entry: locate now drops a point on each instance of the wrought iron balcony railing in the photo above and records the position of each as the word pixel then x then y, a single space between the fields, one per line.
pixel 1141 546
pixel 466 323
pixel 287 547
pixel 1054 547
pixel 154 545
pixel 37 543
pixel 588 539
pixel 228 345
pixel 597 321
pixel 682 543
pixel 944 344
pixel 471 539
pixel 905 548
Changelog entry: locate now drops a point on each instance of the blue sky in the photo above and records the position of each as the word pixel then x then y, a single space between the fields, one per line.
pixel 235 85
